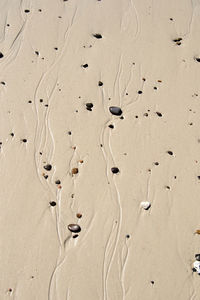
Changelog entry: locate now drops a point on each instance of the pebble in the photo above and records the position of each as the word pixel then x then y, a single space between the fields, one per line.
pixel 52 203
pixel 74 228
pixel 58 182
pixel 48 167
pixel 114 110
pixel 197 257
pixel 74 171
pixel 89 106
pixel 115 170
pixel 97 36
pixel 145 205
pixel 79 215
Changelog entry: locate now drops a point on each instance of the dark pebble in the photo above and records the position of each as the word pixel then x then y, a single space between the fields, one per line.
pixel 36 52
pixel 177 40
pixel 197 257
pixel 2 82
pixel 48 167
pixel 27 11
pixel 170 152
pixel 194 270
pixel 58 182
pixel 127 236
pixel 75 236
pixel 69 132
pixel 100 83
pixel 114 110
pixel 111 126
pixel 159 114
pixel 115 170
pixel 85 66
pixel 197 59
pixel 79 215
pixel 74 228
pixel 139 92
pixel 12 134
pixel 24 140
pixel 97 36
pixel 46 176
pixel 89 106
pixel 52 203
pixel 198 177
pixel 1 54
pixel 152 282
pixel 74 171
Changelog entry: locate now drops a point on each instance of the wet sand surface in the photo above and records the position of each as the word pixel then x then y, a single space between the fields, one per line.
pixel 99 149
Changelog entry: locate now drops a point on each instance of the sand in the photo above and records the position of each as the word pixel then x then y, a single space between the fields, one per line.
pixel 63 65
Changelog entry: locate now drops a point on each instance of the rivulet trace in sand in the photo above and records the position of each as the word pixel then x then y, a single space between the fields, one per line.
pixel 99 203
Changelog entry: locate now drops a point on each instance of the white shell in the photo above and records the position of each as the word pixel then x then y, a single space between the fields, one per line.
pixel 145 205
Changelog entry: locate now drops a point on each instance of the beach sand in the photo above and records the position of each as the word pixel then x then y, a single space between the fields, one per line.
pixel 63 65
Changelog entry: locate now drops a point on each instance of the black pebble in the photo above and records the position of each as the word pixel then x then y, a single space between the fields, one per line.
pixel 75 236
pixel 24 140
pixel 198 177
pixel 52 203
pixel 48 167
pixel 85 65
pixel 197 257
pixel 58 182
pixel 12 134
pixel 89 106
pixel 27 11
pixel 197 59
pixel 97 36
pixel 170 152
pixel 194 270
pixel 69 132
pixel 74 228
pixel 159 114
pixel 177 40
pixel 114 110
pixel 139 92
pixel 36 52
pixel 100 83
pixel 127 236
pixel 152 282
pixel 46 176
pixel 2 82
pixel 111 126
pixel 1 54
pixel 115 170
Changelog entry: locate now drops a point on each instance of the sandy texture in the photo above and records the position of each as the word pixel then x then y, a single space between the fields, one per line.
pixel 144 60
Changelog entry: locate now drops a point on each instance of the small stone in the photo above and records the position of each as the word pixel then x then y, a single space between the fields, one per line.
pixel 58 182
pixel 170 152
pixel 145 205
pixel 85 66
pixel 114 110
pixel 81 161
pixel 36 52
pixel 127 236
pixel 52 203
pixel 152 282
pixel 1 55
pixel 197 257
pixel 24 140
pixel 69 132
pixel 97 36
pixel 12 134
pixel 74 171
pixel 177 40
pixel 197 59
pixel 115 170
pixel 48 167
pixel 197 231
pixel 89 106
pixel 111 126
pixel 100 83
pixel 139 92
pixel 75 236
pixel 74 228
pixel 27 11
pixel 79 215
pixel 159 114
